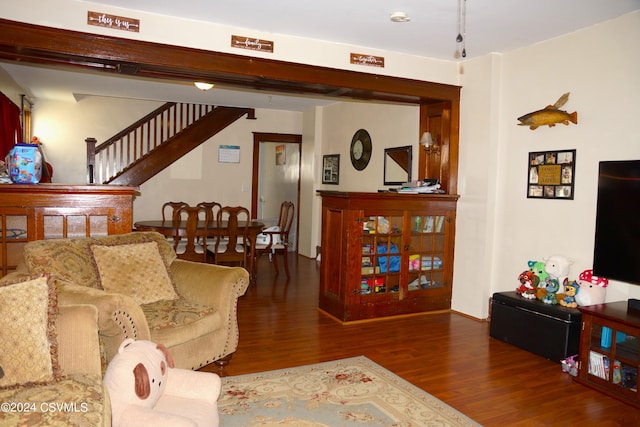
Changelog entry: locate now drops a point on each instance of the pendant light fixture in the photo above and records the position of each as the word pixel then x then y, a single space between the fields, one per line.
pixel 462 28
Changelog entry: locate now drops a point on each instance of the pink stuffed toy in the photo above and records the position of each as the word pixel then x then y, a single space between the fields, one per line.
pixel 145 389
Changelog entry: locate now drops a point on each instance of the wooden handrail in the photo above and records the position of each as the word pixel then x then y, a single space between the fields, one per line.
pixel 111 157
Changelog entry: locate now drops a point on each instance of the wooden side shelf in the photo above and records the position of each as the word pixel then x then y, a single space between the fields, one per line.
pixel 46 211
pixel 609 346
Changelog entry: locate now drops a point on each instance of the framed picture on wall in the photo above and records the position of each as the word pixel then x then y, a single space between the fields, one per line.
pixel 551 174
pixel 331 169
pixel 281 155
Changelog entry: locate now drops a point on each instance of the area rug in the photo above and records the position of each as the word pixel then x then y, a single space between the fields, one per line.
pixel 342 393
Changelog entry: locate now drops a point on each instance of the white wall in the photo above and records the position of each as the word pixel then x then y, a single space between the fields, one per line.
pixel 388 126
pixel 499 229
pixel 63 126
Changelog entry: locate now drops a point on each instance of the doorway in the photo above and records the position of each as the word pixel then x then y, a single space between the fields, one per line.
pixel 276 178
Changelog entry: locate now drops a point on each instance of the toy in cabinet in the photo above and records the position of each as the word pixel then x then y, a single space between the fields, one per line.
pixel 386 254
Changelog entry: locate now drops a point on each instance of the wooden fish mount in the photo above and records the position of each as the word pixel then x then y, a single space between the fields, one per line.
pixel 550 115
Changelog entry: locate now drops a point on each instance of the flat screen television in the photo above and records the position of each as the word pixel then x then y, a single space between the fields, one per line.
pixel 617 240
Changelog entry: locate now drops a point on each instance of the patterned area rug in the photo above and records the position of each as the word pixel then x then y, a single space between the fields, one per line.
pixel 343 393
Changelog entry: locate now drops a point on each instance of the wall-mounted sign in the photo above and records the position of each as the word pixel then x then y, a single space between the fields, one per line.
pixel 243 42
pixel 111 21
pixel 369 60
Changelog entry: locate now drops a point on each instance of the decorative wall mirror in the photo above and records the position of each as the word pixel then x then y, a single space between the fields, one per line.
pixel 397 165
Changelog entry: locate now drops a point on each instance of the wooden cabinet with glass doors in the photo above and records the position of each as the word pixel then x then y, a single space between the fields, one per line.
pixel 47 211
pixel 609 349
pixel 385 254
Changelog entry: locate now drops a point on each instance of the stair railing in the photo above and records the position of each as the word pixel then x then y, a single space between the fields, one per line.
pixel 130 145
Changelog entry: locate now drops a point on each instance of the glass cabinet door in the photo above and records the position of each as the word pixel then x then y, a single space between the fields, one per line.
pixel 381 254
pixel 426 252
pixel 613 357
pixel 13 237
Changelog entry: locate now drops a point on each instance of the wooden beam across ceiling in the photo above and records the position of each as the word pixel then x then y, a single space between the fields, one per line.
pixel 45 45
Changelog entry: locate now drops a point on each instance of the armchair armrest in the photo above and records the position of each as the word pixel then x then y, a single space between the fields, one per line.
pixel 119 316
pixel 209 284
pixel 215 286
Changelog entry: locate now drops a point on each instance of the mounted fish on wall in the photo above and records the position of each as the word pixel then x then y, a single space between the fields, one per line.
pixel 549 116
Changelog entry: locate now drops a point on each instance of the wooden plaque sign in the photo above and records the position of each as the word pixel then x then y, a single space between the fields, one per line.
pixel 111 21
pixel 243 42
pixel 369 60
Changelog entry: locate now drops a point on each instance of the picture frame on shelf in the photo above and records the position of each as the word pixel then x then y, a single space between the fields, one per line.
pixel 551 174
pixel 331 169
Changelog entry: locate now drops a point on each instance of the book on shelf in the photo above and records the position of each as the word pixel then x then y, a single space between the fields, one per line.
pixel 598 365
pixel 371 270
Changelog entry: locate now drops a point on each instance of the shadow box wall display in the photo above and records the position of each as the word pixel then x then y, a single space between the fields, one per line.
pixel 331 169
pixel 551 174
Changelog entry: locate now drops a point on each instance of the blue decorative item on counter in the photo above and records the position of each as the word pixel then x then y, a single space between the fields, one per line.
pixel 25 164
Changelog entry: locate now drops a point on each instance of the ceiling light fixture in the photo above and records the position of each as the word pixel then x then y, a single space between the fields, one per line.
pixel 203 85
pixel 462 28
pixel 399 17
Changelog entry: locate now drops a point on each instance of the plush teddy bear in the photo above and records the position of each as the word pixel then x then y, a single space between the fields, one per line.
pixel 557 267
pixel 592 289
pixel 145 389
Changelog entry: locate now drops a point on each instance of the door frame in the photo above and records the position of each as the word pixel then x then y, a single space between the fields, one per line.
pixel 259 137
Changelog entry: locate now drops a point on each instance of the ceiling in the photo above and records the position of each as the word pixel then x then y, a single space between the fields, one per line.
pixel 491 26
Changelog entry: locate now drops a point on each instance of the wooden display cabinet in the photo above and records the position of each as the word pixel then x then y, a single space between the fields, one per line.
pixel 46 211
pixel 609 345
pixel 386 254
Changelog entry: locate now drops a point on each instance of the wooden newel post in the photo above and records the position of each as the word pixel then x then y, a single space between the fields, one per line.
pixel 91 159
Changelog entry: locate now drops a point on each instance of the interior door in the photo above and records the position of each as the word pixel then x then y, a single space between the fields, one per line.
pixel 276 178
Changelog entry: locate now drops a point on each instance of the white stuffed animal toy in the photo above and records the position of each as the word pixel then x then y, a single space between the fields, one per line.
pixel 557 267
pixel 146 390
pixel 592 289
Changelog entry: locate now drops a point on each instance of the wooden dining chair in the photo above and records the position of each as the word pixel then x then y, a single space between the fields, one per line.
pixel 212 209
pixel 276 240
pixel 232 243
pixel 175 206
pixel 192 245
pixel 172 208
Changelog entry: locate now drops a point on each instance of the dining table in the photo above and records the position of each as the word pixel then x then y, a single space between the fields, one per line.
pixel 168 229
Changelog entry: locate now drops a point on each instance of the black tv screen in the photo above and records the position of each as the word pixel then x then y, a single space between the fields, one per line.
pixel 617 241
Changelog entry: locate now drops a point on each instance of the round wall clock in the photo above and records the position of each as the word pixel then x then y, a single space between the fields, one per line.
pixel 360 149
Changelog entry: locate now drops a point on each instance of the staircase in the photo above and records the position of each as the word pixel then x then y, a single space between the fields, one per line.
pixel 145 148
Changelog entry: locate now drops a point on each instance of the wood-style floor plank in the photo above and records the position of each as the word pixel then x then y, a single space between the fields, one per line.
pixel 448 355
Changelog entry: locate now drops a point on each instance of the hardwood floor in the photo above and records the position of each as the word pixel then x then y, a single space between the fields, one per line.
pixel 448 355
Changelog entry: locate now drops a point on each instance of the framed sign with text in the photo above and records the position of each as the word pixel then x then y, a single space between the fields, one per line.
pixel 551 174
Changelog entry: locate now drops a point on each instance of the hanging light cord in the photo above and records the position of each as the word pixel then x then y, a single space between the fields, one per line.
pixel 462 27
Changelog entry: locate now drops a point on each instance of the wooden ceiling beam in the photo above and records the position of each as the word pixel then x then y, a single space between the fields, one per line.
pixel 45 45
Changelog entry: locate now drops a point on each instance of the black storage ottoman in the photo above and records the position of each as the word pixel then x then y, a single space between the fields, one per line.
pixel 550 331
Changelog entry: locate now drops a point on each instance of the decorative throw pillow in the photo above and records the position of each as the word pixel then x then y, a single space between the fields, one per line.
pixel 136 270
pixel 28 332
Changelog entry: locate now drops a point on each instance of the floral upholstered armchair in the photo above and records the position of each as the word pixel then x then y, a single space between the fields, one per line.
pixel 142 291
pixel 50 364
